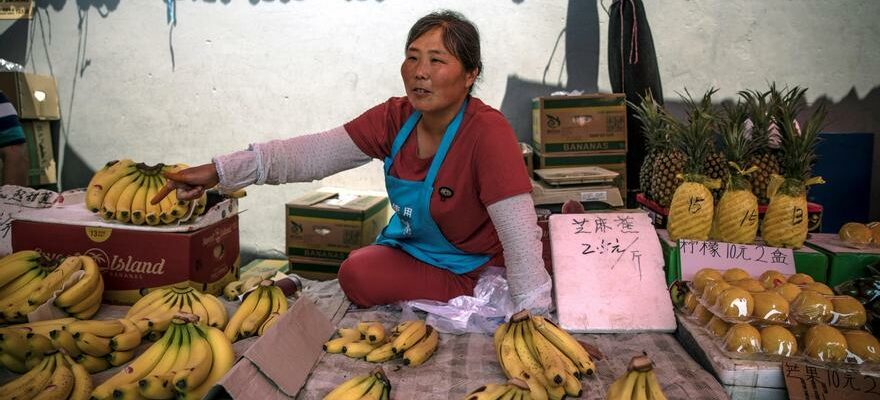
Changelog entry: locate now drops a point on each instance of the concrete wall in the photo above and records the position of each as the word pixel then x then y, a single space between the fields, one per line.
pixel 234 72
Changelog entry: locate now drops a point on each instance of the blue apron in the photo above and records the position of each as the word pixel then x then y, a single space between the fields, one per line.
pixel 412 228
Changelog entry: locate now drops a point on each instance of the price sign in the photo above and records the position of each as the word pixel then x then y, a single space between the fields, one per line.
pixel 812 382
pixel 608 273
pixel 754 259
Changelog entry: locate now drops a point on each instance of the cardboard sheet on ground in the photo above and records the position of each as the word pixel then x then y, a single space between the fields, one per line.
pixel 608 273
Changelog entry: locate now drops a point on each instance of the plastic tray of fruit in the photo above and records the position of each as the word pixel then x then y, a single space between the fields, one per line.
pixel 773 299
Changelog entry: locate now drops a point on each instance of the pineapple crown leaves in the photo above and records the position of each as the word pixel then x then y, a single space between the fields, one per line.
pixel 758 107
pixel 695 139
pixel 798 143
pixel 655 121
pixel 738 146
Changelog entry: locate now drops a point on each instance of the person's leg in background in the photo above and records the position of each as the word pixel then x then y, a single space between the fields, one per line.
pixel 377 274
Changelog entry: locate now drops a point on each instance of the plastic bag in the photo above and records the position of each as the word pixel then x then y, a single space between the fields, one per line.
pixel 481 313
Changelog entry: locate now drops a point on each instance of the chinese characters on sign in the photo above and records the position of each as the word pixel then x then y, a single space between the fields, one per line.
pixel 698 254
pixel 612 236
pixel 811 382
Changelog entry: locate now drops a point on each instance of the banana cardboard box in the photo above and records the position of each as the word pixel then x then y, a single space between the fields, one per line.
pixel 594 123
pixel 203 254
pixel 277 364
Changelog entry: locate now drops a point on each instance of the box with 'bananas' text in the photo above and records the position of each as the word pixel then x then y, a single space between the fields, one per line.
pixel 324 226
pixel 133 259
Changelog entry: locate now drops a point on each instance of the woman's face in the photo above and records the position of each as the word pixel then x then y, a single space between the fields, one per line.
pixel 435 80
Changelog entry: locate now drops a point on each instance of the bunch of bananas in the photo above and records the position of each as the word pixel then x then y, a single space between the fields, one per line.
pixel 27 281
pixel 122 191
pixel 532 348
pixel 513 389
pixel 153 313
pixel 236 288
pixel 186 362
pixel 258 312
pixel 97 345
pixel 56 376
pixel 639 382
pixel 375 385
pixel 414 340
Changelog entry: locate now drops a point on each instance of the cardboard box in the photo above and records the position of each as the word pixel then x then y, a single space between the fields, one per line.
pixel 844 263
pixel 33 96
pixel 578 124
pixel 277 364
pixel 528 157
pixel 260 266
pixel 16 9
pixel 323 227
pixel 42 158
pixel 204 254
pixel 615 162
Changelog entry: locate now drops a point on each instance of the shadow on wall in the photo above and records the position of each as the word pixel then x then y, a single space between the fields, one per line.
pixel 104 7
pixel 580 60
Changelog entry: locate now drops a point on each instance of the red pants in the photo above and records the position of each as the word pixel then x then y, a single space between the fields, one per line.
pixel 376 274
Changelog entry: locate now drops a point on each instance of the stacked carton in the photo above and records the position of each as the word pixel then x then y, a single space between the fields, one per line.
pixel 581 131
pixel 35 97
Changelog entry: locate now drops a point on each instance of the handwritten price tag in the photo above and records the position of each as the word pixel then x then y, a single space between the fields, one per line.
pixel 811 382
pixel 755 259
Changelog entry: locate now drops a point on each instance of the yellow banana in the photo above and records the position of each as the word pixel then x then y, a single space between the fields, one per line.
pixel 120 357
pixel 89 303
pixel 92 364
pixel 221 361
pixel 510 363
pixel 152 297
pixel 61 382
pixel 53 281
pixel 354 392
pixel 623 387
pixel 640 392
pixel 373 331
pixel 491 391
pixel 104 328
pixel 139 202
pixel 217 314
pixel 247 307
pixel 270 320
pixel 533 367
pixel 497 338
pixel 423 350
pixel 128 391
pixel 165 305
pixel 111 198
pixel 279 305
pixel 346 386
pixel 566 344
pixel 153 211
pixel 382 353
pixel 201 205
pixel 166 207
pixel 350 333
pixel 357 349
pixel 409 337
pixel 128 339
pixel 85 286
pixel 28 386
pixel 103 180
pixel 14 342
pixel 91 310
pixel 157 384
pixel 20 281
pixel 13 364
pixel 92 344
pixel 198 308
pixel 261 311
pixel 126 198
pixel 140 367
pixel 335 346
pixel 199 364
pixel 572 385
pixel 375 391
pixel 554 368
pixel 82 382
pixel 654 389
pixel 232 290
pixel 401 327
pixel 63 339
pixel 39 344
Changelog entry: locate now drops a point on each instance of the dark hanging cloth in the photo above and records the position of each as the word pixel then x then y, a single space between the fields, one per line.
pixel 632 69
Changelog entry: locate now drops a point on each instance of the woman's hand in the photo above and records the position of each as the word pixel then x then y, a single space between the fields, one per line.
pixel 190 183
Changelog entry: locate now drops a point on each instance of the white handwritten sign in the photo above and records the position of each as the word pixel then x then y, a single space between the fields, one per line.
pixel 813 382
pixel 754 259
pixel 608 273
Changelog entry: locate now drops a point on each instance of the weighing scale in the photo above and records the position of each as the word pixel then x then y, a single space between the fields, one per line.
pixel 592 186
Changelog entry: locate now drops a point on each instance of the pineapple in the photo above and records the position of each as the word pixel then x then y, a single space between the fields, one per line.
pixel 654 128
pixel 736 215
pixel 715 166
pixel 690 214
pixel 785 223
pixel 759 107
pixel 668 164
